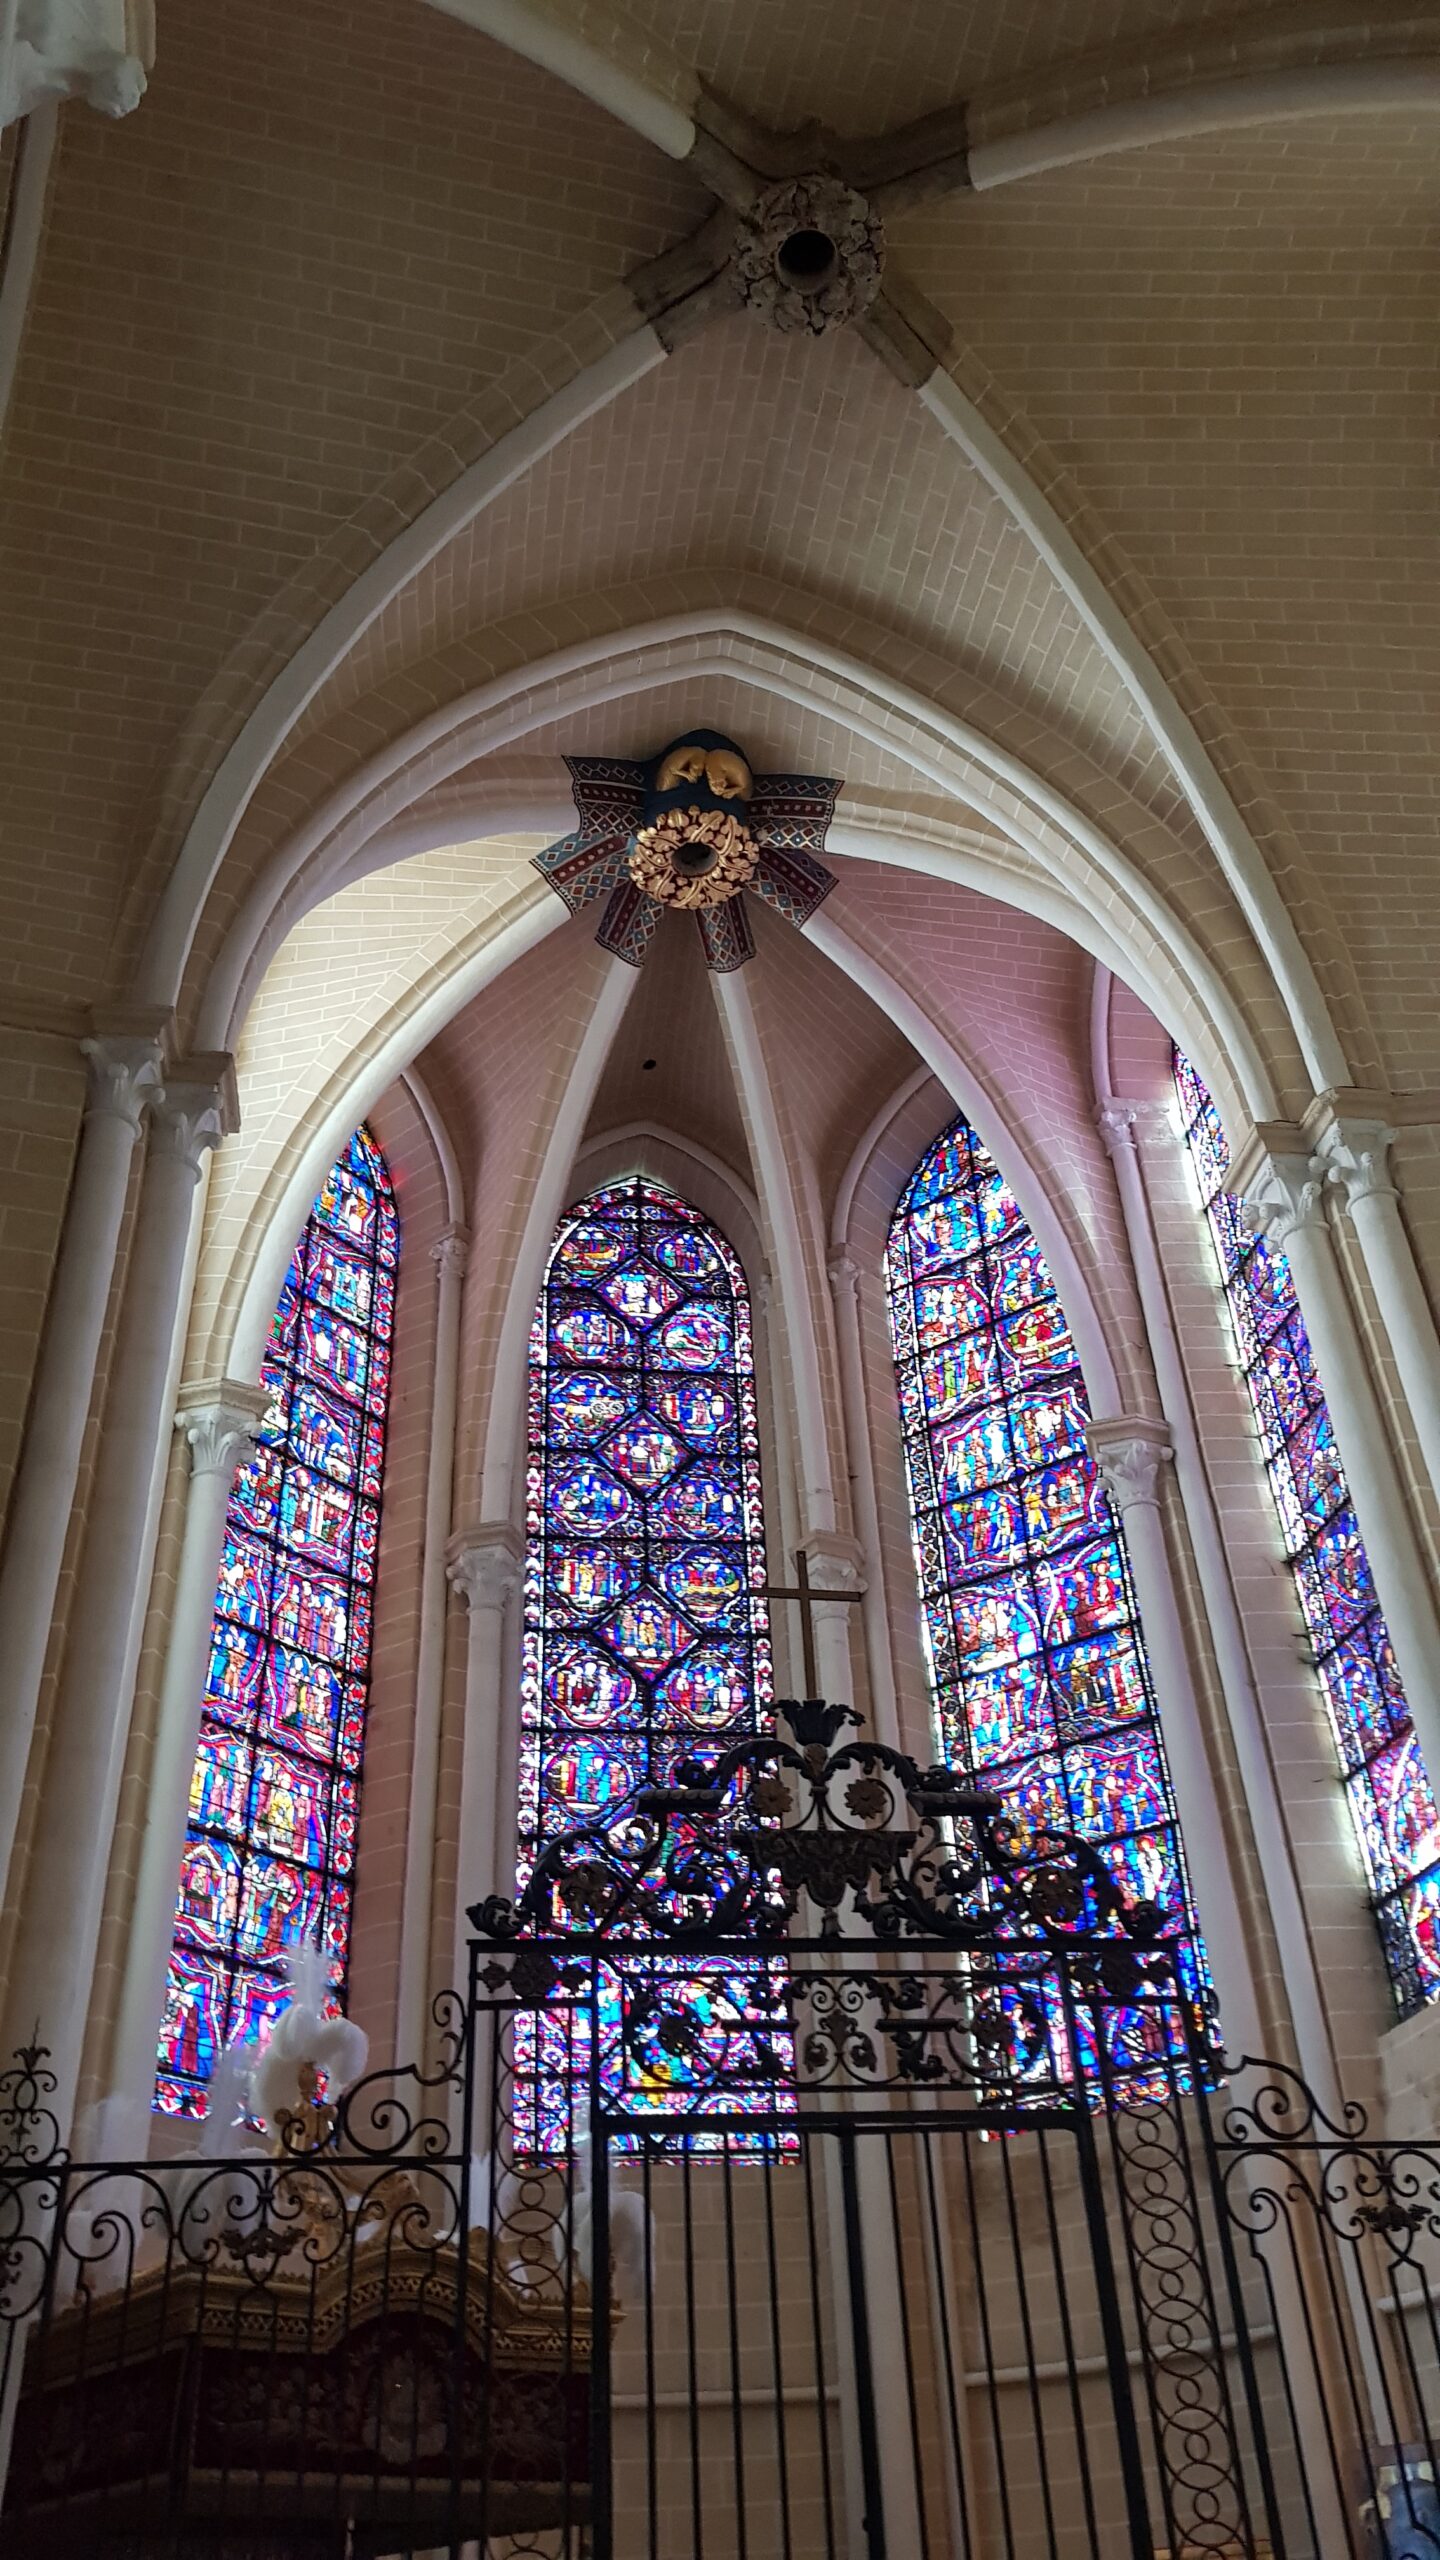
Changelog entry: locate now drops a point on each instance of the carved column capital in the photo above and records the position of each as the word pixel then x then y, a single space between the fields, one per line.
pixel 1354 1156
pixel 220 1425
pixel 451 1252
pixel 122 1074
pixel 843 1272
pixel 485 1563
pixel 837 1564
pixel 1130 1454
pixel 1115 1121
pixel 1282 1193
pixel 195 1108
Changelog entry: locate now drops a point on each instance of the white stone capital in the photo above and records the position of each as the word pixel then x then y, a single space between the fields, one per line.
pixel 194 1109
pixel 843 1272
pixel 1131 1454
pixel 1115 1121
pixel 1354 1155
pixel 1284 1196
pixel 485 1563
pixel 836 1566
pixel 122 1074
pixel 220 1426
pixel 451 1252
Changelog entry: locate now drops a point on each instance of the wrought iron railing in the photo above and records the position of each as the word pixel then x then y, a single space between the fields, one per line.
pixel 816 2164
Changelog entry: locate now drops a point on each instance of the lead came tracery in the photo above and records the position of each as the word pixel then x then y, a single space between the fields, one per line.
pixel 270 1851
pixel 1042 1688
pixel 647 1648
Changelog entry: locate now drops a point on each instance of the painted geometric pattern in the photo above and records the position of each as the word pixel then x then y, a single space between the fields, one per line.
pixel 646 1629
pixel 1386 1785
pixel 1041 1683
pixel 269 1854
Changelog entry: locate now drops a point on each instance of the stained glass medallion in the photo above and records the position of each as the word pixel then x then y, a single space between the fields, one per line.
pixel 646 1629
pixel 269 1856
pixel 1386 1786
pixel 1041 1683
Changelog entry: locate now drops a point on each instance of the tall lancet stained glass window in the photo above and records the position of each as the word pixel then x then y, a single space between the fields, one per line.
pixel 646 1627
pixel 1041 1682
pixel 1385 1781
pixel 269 1856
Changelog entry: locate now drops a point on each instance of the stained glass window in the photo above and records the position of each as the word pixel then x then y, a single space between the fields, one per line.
pixel 646 1629
pixel 269 1855
pixel 1385 1781
pixel 1041 1683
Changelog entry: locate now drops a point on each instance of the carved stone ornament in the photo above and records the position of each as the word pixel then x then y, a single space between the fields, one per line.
pixel 809 255
pixel 658 863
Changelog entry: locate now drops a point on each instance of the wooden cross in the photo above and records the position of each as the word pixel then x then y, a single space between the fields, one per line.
pixel 803 1590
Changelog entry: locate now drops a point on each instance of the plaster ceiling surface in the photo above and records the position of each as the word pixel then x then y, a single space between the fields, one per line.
pixel 1232 352
pixel 671 1021
pixel 809 465
pixel 1012 993
pixel 874 64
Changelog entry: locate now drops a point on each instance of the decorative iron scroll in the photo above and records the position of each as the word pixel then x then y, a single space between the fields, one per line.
pixel 877 1844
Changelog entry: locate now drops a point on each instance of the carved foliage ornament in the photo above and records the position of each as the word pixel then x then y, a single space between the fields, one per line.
pixel 809 255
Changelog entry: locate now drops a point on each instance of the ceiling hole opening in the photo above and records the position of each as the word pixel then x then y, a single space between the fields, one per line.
pixel 645 1065
pixel 807 260
pixel 693 860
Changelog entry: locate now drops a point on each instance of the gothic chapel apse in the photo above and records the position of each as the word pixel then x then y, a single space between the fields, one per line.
pixel 719 1264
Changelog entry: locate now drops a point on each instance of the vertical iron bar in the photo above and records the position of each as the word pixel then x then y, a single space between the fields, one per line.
pixel 697 2502
pixel 916 2456
pixel 1022 2295
pixel 1067 2332
pixel 737 2386
pixel 601 2469
pixel 997 2431
pixel 782 2451
pixel 938 2249
pixel 874 2520
pixel 1112 2329
pixel 817 2329
pixel 652 2457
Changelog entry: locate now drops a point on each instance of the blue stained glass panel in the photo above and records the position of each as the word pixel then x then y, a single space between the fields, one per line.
pixel 646 1638
pixel 1386 1785
pixel 1041 1685
pixel 268 1862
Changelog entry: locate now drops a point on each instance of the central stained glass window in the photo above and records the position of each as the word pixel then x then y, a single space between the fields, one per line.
pixel 646 1627
pixel 1386 1786
pixel 1041 1684
pixel 269 1856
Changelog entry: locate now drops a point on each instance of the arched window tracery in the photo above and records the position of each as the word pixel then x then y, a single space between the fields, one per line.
pixel 269 1854
pixel 1386 1785
pixel 1041 1684
pixel 646 1639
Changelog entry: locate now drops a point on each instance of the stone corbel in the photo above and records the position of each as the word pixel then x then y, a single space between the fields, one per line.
pixel 98 50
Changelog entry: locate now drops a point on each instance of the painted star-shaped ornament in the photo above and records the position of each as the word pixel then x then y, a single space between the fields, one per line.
pixel 691 828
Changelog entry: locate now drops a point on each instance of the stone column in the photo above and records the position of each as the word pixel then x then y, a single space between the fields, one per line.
pixel 1354 1155
pixel 123 1072
pixel 485 1563
pixel 1282 1187
pixel 219 1426
pixel 54 1956
pixel 1131 1456
pixel 1117 1123
pixel 835 1566
pixel 844 1275
pixel 449 1257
